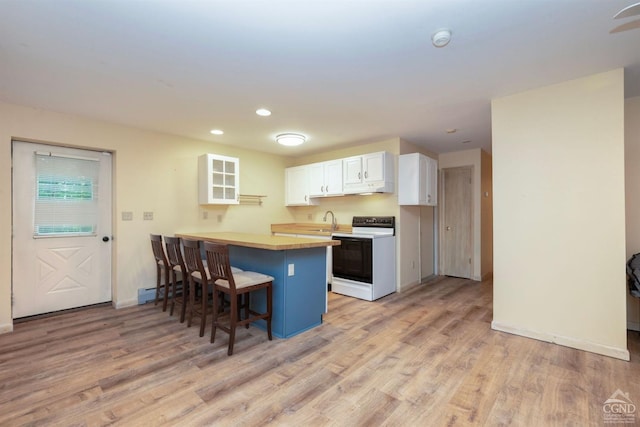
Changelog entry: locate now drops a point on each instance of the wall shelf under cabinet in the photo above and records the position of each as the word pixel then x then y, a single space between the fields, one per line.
pixel 250 199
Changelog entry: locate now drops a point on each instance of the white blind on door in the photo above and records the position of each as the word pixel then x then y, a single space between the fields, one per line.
pixel 66 197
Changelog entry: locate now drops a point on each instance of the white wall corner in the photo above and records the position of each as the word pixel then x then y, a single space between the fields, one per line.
pixel 618 353
pixel 6 328
pixel 406 286
pixel 126 303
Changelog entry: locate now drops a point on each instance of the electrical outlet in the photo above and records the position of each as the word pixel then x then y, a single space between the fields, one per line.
pixel 219 218
pixel 309 216
pixel 291 270
pixel 147 216
pixel 205 215
pixel 127 216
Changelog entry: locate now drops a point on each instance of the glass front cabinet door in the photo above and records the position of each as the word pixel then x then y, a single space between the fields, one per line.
pixel 219 180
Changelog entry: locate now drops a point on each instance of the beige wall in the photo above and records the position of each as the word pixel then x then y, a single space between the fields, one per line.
pixel 559 214
pixel 153 172
pixel 632 195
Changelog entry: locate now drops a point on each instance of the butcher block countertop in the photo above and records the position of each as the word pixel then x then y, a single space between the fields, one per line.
pixel 309 228
pixel 259 241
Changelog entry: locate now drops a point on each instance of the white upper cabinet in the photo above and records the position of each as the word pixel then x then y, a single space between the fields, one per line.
pixel 218 179
pixel 417 180
pixel 296 181
pixel 325 178
pixel 369 173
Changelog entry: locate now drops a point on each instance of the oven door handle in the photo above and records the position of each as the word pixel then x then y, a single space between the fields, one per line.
pixel 350 239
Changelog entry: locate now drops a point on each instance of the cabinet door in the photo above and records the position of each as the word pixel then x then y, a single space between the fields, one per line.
pixel 432 182
pixel 297 186
pixel 218 179
pixel 422 180
pixel 373 165
pixel 410 179
pixel 352 169
pixel 333 178
pixel 417 180
pixel 316 179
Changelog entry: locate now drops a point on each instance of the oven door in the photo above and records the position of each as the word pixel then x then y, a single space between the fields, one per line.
pixel 352 259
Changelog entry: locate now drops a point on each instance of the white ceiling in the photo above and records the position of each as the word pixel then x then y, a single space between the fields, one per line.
pixel 342 72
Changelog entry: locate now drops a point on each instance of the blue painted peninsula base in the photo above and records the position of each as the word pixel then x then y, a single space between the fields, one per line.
pixel 298 299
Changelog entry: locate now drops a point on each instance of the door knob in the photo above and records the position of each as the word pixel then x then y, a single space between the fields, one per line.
pixel 105 239
pixel 448 228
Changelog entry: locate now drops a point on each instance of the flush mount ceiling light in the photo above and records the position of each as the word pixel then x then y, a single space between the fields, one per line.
pixel 290 139
pixel 263 112
pixel 216 132
pixel 441 38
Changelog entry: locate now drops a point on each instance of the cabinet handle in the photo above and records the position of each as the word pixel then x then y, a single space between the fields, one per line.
pixel 326 189
pixel 305 198
pixel 322 188
pixel 366 174
pixel 359 175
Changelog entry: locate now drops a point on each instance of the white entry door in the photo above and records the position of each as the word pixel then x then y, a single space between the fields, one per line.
pixel 61 228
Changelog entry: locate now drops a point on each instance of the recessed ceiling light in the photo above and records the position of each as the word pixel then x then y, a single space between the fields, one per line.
pixel 452 130
pixel 263 112
pixel 217 132
pixel 290 139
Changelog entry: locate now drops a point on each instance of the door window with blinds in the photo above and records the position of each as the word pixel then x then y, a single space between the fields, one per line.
pixel 66 202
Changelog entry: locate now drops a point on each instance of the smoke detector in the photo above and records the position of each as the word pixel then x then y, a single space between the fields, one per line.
pixel 441 38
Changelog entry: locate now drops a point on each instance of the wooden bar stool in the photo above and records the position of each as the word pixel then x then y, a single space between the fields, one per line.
pixel 199 275
pixel 178 267
pixel 236 285
pixel 161 265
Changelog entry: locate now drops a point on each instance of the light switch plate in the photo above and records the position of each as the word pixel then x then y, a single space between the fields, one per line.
pixel 147 216
pixel 291 270
pixel 127 216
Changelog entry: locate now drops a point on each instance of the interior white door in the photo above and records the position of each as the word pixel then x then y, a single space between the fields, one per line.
pixel 61 228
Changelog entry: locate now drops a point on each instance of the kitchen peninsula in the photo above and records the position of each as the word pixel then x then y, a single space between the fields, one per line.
pixel 298 266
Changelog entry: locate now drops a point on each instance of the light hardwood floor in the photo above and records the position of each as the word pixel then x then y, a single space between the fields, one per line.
pixel 426 357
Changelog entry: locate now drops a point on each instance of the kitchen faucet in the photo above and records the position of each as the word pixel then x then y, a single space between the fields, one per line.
pixel 334 225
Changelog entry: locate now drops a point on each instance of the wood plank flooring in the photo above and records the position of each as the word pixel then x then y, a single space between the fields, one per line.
pixel 426 357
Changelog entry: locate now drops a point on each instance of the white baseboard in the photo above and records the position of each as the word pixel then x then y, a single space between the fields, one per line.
pixel 126 303
pixel 407 286
pixel 412 285
pixel 618 353
pixel 6 328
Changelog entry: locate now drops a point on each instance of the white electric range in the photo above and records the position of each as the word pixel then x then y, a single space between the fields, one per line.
pixel 364 265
